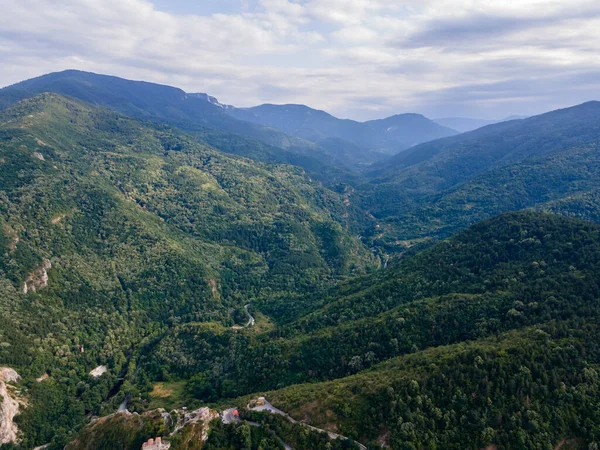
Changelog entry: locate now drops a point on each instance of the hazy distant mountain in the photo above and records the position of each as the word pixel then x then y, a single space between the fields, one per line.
pixel 438 187
pixel 464 124
pixel 454 159
pixel 295 134
pixel 390 135
pixel 408 130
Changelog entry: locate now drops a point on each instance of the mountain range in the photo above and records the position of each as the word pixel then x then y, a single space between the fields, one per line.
pixel 174 267
pixel 304 139
pixel 436 188
pixel 390 135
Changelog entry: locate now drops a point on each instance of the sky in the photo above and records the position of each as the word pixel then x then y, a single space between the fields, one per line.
pixel 359 59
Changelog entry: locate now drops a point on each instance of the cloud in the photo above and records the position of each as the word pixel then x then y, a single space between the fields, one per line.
pixel 359 58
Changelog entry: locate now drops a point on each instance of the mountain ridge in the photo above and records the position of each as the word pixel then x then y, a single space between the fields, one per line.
pixel 314 125
pixel 138 227
pixel 130 245
pixel 194 113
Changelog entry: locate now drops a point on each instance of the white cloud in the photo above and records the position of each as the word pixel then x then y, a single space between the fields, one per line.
pixel 364 58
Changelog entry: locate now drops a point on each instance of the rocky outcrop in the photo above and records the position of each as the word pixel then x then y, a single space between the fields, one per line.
pixel 126 430
pixel 98 371
pixel 202 417
pixel 9 406
pixel 44 377
pixel 156 444
pixel 38 279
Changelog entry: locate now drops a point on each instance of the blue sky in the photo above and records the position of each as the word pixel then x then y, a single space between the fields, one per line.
pixel 362 59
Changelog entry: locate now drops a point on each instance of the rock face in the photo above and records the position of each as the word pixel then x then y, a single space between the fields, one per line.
pixel 156 444
pixel 38 279
pixel 126 430
pixel 98 371
pixel 9 406
pixel 202 417
pixel 42 378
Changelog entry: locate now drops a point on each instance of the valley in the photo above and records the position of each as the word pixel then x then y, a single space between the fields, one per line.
pixel 165 258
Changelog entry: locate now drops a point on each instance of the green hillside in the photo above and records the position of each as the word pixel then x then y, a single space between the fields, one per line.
pixel 190 112
pixel 559 178
pixel 462 289
pixel 438 188
pixel 489 338
pixel 145 101
pixel 446 162
pixel 196 277
pixel 139 227
pixel 486 340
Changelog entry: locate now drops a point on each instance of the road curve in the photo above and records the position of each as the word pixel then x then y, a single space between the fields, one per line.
pixel 251 320
pixel 267 406
pixel 227 417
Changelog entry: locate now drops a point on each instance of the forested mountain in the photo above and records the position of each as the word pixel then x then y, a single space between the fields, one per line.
pixel 437 188
pixel 198 114
pixel 390 135
pixel 449 161
pixel 144 100
pixel 557 182
pixel 489 338
pixel 329 149
pixel 151 267
pixel 113 230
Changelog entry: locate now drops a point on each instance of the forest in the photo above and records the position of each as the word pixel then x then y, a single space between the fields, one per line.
pixel 135 246
pixel 144 228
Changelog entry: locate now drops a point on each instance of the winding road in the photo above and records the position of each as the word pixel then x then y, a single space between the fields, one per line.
pixel 227 417
pixel 267 406
pixel 251 320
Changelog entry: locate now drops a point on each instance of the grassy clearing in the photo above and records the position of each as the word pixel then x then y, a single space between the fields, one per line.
pixel 170 395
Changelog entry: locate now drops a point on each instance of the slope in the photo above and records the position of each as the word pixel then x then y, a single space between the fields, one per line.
pixel 447 162
pixel 488 339
pixel 113 230
pixel 465 124
pixel 440 187
pixel 560 178
pixel 517 270
pixel 194 113
pixel 390 135
pixel 146 101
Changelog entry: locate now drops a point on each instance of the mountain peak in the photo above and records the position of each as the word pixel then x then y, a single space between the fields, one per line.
pixel 209 99
pixel 390 135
